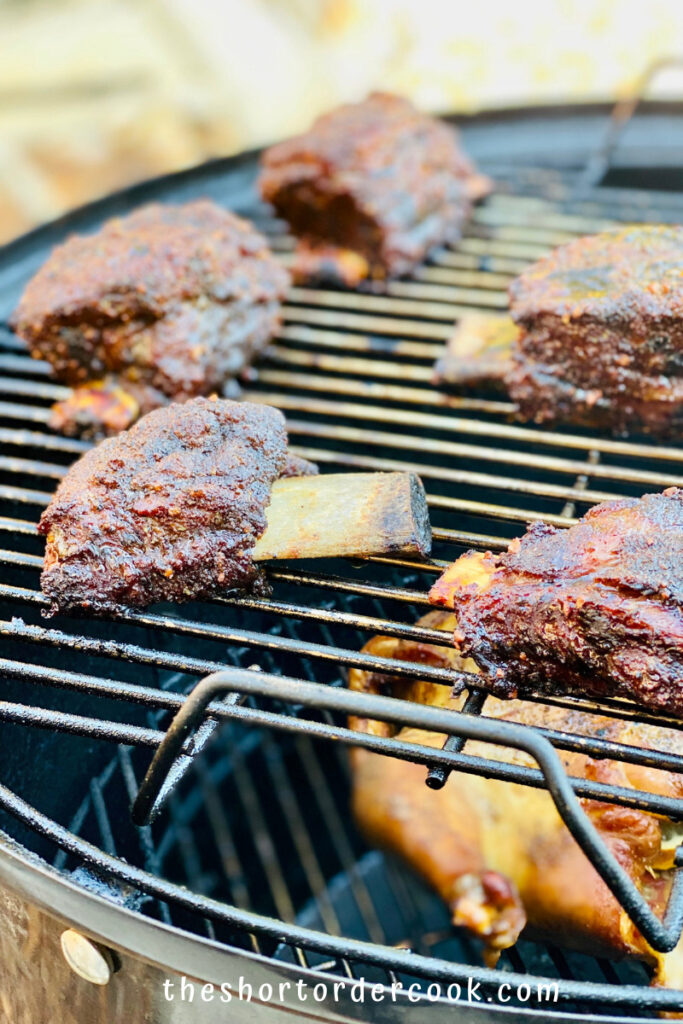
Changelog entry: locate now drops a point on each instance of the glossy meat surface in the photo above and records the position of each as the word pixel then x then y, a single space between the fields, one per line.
pixel 498 853
pixel 167 511
pixel 601 342
pixel 370 189
pixel 595 609
pixel 174 298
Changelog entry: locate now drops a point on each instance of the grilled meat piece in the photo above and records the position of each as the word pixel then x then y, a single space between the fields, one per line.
pixel 169 510
pixel 370 189
pixel 174 299
pixel 653 405
pixel 498 853
pixel 595 609
pixel 602 332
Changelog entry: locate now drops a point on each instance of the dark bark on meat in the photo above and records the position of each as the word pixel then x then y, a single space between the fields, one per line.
pixel 177 299
pixel 370 189
pixel 167 511
pixel 596 609
pixel 602 333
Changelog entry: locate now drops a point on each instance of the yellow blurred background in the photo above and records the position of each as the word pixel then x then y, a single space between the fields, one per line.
pixel 95 94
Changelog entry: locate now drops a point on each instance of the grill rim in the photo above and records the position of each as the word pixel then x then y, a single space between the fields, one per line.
pixel 116 925
pixel 136 194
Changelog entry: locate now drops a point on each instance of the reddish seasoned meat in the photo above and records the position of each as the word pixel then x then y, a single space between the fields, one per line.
pixel 173 300
pixel 595 609
pixel 370 189
pixel 602 332
pixel 652 405
pixel 169 510
pixel 499 854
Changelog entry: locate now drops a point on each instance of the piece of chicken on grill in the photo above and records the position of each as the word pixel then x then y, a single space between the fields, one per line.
pixel 164 304
pixel 595 609
pixel 370 190
pixel 498 853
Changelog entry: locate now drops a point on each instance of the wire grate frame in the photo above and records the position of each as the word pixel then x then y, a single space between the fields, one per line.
pixel 353 375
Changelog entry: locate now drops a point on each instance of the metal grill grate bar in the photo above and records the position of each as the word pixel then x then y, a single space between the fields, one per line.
pixel 455 424
pixel 299 428
pixel 116 732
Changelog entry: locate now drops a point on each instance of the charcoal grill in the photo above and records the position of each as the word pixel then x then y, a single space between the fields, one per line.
pixel 246 862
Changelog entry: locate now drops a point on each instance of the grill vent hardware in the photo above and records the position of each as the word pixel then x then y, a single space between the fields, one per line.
pixel 89 961
pixel 352 373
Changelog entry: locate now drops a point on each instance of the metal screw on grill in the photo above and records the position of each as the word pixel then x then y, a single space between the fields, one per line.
pixel 86 958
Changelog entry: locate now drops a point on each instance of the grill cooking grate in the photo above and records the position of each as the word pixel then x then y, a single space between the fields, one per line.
pixel 352 373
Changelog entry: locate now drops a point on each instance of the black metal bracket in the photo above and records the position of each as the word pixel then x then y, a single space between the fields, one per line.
pixel 663 935
pixel 600 161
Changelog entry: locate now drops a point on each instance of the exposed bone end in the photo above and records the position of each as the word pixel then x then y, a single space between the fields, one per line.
pixel 346 514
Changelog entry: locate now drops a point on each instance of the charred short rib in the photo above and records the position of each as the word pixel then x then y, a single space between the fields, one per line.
pixel 601 340
pixel 595 609
pixel 169 510
pixel 167 303
pixel 370 189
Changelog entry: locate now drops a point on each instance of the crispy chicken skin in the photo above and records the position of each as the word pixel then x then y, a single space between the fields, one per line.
pixel 601 340
pixel 167 511
pixel 167 303
pixel 594 609
pixel 370 189
pixel 498 853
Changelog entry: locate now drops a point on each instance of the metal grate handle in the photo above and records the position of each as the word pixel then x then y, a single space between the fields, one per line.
pixel 663 935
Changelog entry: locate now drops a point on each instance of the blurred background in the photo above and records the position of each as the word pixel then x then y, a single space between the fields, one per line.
pixel 95 94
